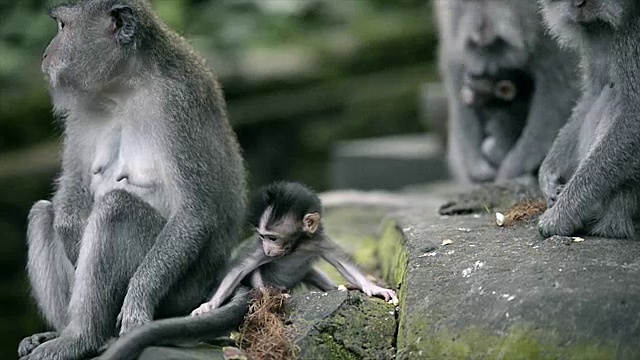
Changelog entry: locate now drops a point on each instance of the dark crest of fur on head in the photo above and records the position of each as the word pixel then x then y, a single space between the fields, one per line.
pixel 284 198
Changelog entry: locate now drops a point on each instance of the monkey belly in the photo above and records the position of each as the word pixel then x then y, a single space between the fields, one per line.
pixel 150 193
pixel 289 270
pixel 126 160
pixel 593 128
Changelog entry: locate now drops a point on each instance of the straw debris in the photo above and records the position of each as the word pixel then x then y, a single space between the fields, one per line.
pixel 263 335
pixel 523 211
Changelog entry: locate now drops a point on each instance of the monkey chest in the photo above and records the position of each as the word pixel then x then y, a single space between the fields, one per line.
pixel 596 122
pixel 127 159
pixel 288 271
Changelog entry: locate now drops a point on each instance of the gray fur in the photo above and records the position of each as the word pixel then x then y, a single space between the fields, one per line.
pixel 484 37
pixel 151 196
pixel 294 248
pixel 591 177
pixel 252 266
pixel 166 331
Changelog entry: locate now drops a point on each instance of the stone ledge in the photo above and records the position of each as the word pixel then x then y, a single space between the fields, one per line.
pixel 507 293
pixel 342 325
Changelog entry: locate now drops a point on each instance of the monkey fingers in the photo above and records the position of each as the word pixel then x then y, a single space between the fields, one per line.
pixel 63 348
pixel 554 196
pixel 554 222
pixel 387 294
pixel 130 318
pixel 28 344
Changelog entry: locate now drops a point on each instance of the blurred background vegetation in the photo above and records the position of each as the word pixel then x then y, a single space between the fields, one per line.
pixel 298 75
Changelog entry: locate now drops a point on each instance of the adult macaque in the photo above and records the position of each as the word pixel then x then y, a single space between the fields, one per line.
pixel 152 191
pixel 591 177
pixel 289 239
pixel 483 39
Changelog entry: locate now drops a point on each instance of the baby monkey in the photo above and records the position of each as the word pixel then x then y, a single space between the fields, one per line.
pixel 289 239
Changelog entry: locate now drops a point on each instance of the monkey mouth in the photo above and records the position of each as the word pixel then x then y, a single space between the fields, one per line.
pixel 277 254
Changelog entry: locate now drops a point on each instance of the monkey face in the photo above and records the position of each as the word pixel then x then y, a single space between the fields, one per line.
pixel 275 245
pixel 283 235
pixel 570 20
pixel 92 46
pixel 495 33
pixel 278 236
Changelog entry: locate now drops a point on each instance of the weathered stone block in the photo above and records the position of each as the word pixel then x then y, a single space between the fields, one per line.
pixel 342 325
pixel 387 163
pixel 507 293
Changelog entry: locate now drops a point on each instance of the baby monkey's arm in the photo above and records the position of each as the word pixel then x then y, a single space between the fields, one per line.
pixel 233 278
pixel 337 257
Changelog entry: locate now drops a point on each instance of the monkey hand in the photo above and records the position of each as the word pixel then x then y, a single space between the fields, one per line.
pixel 205 308
pixel 70 347
pixel 68 224
pixel 551 187
pixel 387 294
pixel 131 316
pixel 557 222
pixel 553 197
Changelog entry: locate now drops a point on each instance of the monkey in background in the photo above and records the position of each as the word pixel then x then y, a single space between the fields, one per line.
pixel 151 196
pixel 483 39
pixel 591 176
pixel 501 103
pixel 289 238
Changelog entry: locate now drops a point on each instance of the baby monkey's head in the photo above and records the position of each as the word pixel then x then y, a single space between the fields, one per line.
pixel 284 214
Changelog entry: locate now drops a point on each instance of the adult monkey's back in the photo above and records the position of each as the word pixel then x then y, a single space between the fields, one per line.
pixel 481 39
pixel 152 191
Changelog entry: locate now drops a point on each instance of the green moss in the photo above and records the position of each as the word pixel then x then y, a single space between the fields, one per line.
pixel 361 328
pixel 417 338
pixel 520 342
pixel 333 350
pixel 392 254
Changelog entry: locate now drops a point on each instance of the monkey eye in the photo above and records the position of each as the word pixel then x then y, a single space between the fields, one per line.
pixel 60 24
pixel 268 237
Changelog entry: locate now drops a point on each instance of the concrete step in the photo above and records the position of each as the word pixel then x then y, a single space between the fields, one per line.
pixel 387 162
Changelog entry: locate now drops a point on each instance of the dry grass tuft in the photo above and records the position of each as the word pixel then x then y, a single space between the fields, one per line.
pixel 523 211
pixel 263 335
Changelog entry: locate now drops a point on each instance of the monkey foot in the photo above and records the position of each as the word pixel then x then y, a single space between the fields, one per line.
pixel 204 308
pixel 28 344
pixel 61 348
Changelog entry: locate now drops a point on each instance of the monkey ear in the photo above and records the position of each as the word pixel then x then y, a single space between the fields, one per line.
pixel 124 24
pixel 310 222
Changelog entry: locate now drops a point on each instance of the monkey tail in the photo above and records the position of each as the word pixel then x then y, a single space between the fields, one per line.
pixel 217 322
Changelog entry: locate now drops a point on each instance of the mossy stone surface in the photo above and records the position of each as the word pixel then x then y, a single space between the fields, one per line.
pixel 507 293
pixel 342 325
